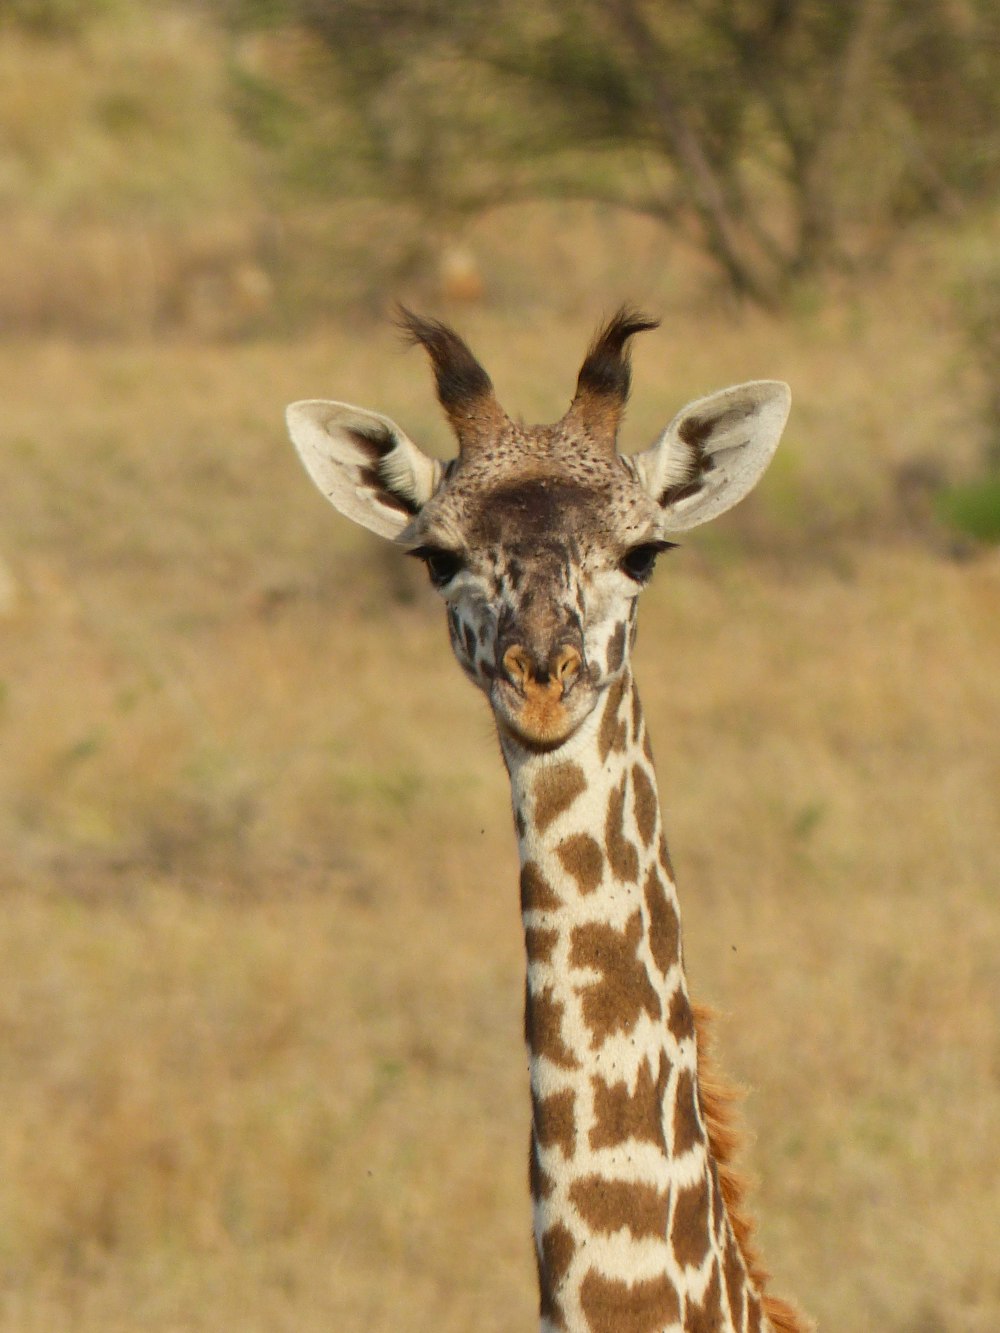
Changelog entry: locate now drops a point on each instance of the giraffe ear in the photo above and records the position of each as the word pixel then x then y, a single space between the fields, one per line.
pixel 714 452
pixel 363 463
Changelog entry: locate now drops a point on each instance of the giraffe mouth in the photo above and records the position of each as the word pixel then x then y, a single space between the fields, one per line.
pixel 541 716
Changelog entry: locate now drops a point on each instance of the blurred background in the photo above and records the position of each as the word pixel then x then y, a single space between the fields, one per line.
pixel 260 961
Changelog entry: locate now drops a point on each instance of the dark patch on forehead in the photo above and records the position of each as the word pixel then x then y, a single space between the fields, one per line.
pixel 534 510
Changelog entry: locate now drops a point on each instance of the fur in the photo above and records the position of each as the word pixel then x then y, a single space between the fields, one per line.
pixel 719 1101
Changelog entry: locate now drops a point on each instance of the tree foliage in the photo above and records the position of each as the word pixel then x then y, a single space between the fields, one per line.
pixel 786 135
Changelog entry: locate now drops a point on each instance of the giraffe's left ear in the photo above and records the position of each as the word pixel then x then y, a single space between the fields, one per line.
pixel 714 452
pixel 363 463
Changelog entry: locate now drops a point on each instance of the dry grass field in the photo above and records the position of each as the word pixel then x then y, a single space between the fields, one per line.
pixel 260 962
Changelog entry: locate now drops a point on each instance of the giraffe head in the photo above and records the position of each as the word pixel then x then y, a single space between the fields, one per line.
pixel 540 538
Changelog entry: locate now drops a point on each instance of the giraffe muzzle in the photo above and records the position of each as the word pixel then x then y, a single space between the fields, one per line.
pixel 541 698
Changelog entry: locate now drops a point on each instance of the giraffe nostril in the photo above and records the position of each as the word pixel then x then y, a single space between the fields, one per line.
pixel 517 665
pixel 566 666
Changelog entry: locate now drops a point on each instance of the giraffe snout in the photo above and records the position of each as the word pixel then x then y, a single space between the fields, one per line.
pixel 541 694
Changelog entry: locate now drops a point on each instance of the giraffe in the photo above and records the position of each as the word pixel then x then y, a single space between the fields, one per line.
pixel 539 540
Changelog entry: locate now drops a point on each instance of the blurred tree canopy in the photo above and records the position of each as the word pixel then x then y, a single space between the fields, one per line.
pixel 787 136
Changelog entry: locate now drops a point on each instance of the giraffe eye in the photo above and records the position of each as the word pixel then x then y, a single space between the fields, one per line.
pixel 442 565
pixel 638 562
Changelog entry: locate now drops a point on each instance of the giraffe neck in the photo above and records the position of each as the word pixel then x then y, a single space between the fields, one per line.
pixel 631 1230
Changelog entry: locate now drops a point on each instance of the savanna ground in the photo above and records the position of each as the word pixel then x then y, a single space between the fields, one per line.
pixel 260 989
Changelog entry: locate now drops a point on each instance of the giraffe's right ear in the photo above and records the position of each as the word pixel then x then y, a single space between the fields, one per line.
pixel 363 463
pixel 714 452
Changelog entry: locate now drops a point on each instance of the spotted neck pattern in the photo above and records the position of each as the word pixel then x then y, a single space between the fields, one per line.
pixel 631 1225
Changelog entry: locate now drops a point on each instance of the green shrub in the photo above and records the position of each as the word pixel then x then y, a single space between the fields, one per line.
pixel 973 508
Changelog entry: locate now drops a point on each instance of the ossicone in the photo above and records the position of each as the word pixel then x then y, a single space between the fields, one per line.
pixel 464 389
pixel 602 387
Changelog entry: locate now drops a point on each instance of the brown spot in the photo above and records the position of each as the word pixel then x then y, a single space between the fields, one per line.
pixel 664 926
pixel 543 1015
pixel 620 1115
pixel 687 1126
pixel 554 1257
pixel 616 649
pixel 539 944
pixel 582 857
pixel 537 894
pixel 554 1119
pixel 689 1230
pixel 519 824
pixel 556 789
pixel 644 800
pixel 680 1019
pixel 608 1206
pixel 540 1184
pixel 622 854
pixel 735 1279
pixel 706 1317
pixel 636 715
pixel 718 1210
pixel 647 747
pixel 612 1306
pixel 753 1313
pixel 624 992
pixel 612 733
pixel 665 860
